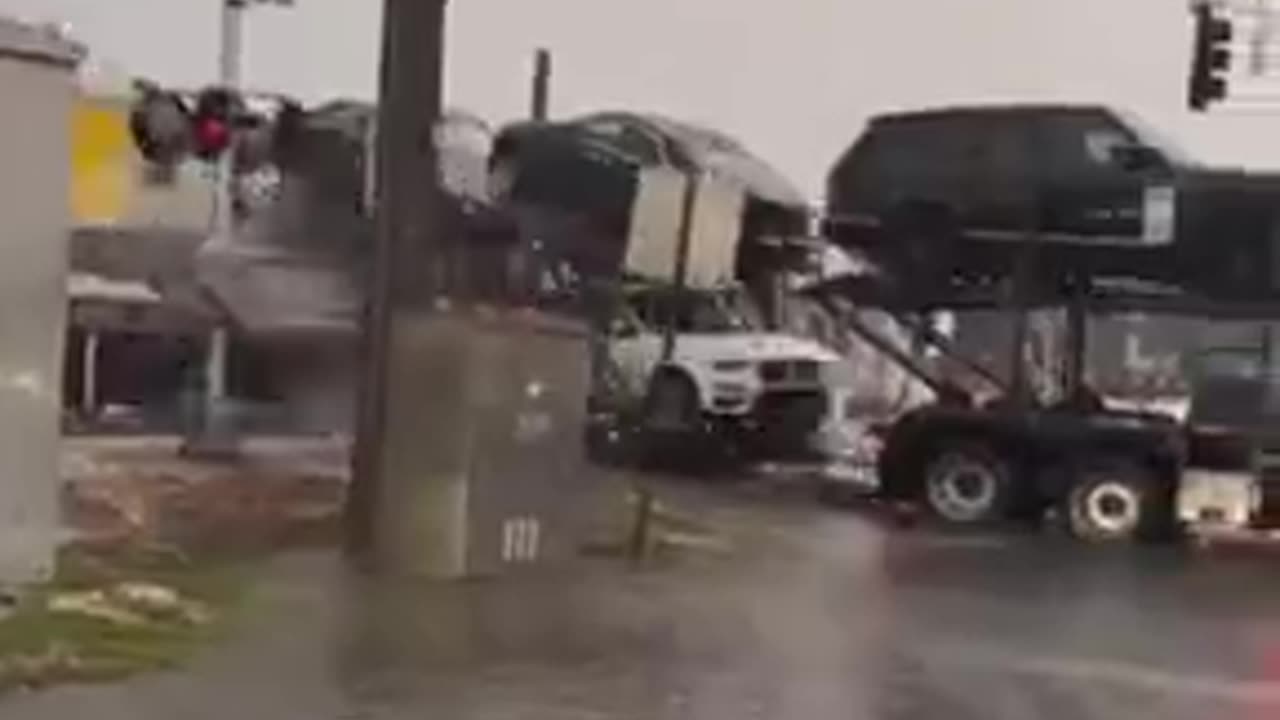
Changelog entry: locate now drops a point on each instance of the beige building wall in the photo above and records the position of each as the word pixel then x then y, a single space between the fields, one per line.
pixel 112 185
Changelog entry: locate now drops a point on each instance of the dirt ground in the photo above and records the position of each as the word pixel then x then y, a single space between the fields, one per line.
pixel 276 493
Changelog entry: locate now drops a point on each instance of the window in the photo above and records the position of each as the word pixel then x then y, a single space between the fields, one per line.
pixel 621 136
pixel 904 150
pixel 927 147
pixel 1001 149
pixel 1081 142
pixel 641 307
pixel 1099 144
pixel 693 312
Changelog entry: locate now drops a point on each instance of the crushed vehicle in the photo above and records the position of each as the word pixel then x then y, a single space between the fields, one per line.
pixel 580 175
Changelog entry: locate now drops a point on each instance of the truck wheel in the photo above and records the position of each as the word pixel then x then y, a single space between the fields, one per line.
pixel 671 404
pixel 967 485
pixel 1115 501
pixel 671 422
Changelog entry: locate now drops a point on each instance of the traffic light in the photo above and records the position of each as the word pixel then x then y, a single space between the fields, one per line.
pixel 217 113
pixel 160 123
pixel 1210 58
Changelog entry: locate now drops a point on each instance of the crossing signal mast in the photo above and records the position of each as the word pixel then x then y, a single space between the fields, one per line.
pixel 170 127
pixel 160 123
pixel 1210 56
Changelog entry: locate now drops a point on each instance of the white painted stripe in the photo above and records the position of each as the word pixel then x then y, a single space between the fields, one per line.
pixel 508 539
pixel 535 533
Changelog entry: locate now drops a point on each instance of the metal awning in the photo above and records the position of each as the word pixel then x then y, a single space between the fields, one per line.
pixel 90 287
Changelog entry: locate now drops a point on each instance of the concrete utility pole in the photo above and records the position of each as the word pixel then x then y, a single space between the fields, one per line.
pixel 396 492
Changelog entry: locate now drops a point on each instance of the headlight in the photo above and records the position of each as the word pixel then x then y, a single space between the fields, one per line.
pixel 731 366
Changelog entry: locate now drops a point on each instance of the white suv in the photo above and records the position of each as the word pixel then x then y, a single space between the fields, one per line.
pixel 725 373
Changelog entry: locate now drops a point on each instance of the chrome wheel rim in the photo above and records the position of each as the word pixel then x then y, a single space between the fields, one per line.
pixel 962 490
pixel 1113 508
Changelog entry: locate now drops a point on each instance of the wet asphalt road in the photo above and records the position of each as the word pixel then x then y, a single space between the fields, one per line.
pixel 817 613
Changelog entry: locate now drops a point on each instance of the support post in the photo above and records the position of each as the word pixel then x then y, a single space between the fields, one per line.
pixel 215 436
pixel 89 374
pixel 1077 339
pixel 680 276
pixel 540 97
pixel 1019 385
pixel 395 500
pixel 216 365
pixel 222 224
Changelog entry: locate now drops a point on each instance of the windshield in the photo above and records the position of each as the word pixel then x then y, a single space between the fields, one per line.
pixel 714 313
pixel 1150 135
pixel 698 312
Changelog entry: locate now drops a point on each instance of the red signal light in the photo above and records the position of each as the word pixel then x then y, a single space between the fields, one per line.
pixel 212 138
pixel 217 110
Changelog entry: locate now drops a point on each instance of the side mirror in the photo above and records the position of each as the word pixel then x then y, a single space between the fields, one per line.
pixel 1135 158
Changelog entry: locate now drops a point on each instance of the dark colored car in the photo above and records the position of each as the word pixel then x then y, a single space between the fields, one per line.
pixel 961 196
pixel 585 171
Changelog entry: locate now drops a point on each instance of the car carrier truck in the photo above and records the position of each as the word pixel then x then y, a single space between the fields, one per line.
pixel 1081 208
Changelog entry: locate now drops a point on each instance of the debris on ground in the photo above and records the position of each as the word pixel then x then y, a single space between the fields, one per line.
pixel 648 526
pixel 132 491
pixel 94 604
pixel 158 548
pixel 111 613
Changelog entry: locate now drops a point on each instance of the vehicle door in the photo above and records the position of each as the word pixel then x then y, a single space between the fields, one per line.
pixel 635 342
pixel 1087 194
pixel 587 164
pixel 923 166
pixel 998 158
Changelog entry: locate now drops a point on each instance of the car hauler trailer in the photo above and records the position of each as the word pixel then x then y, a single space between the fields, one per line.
pixel 1057 206
pixel 1113 474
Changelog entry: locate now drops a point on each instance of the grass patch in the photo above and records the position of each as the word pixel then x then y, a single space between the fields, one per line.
pixel 42 643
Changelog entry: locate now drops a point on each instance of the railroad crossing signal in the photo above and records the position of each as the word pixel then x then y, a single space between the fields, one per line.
pixel 1210 58
pixel 168 127
pixel 218 111
pixel 160 124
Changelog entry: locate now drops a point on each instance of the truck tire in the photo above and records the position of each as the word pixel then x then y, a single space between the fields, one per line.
pixel 671 403
pixel 1117 500
pixel 674 437
pixel 967 485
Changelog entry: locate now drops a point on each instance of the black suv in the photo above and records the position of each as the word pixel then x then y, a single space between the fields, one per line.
pixel 956 196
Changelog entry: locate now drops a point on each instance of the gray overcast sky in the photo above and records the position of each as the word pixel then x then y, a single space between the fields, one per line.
pixel 793 78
